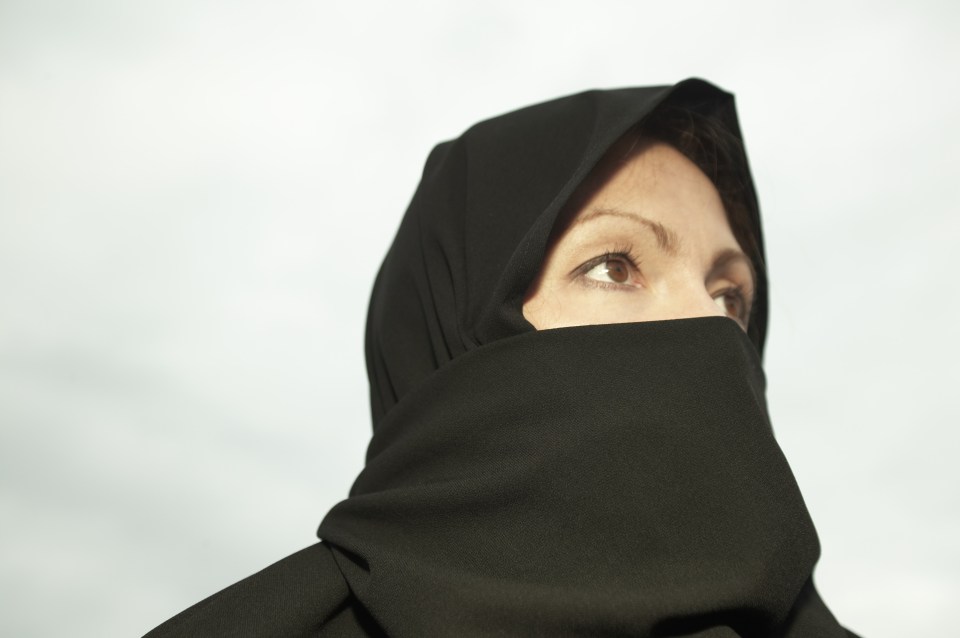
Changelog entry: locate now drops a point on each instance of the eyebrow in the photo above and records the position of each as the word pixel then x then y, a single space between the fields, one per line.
pixel 667 239
pixel 670 242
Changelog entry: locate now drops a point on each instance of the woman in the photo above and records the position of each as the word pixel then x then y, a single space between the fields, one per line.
pixel 564 346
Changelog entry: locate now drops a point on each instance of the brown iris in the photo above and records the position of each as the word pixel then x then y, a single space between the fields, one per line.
pixel 617 270
pixel 736 304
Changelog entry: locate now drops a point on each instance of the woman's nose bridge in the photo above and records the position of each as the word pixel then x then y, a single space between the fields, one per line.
pixel 692 299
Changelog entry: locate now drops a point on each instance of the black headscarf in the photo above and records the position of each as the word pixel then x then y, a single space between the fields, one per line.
pixel 477 229
pixel 608 480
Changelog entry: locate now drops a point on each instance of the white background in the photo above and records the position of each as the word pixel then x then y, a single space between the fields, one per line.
pixel 195 196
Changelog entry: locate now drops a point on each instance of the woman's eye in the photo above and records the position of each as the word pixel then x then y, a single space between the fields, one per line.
pixel 733 302
pixel 613 270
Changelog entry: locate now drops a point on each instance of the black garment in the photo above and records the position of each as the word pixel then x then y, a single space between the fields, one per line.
pixel 611 480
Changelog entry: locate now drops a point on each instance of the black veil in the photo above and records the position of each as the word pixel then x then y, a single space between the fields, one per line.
pixel 608 480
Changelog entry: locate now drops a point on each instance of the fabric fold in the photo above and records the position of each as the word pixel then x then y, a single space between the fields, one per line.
pixel 594 480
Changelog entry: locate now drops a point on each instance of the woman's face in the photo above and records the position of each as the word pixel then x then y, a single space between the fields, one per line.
pixel 643 239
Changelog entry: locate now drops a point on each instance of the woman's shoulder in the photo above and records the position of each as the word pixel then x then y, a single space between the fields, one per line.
pixel 301 595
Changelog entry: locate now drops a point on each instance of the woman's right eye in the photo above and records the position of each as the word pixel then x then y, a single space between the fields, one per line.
pixel 612 270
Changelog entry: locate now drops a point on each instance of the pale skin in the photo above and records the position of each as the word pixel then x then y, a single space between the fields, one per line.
pixel 646 238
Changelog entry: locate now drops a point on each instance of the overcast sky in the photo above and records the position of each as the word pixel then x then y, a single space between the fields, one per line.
pixel 195 197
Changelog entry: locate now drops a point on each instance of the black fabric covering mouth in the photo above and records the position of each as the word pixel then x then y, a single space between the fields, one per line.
pixel 612 480
pixel 604 480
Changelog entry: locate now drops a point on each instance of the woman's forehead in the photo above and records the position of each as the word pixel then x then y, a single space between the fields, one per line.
pixel 653 184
